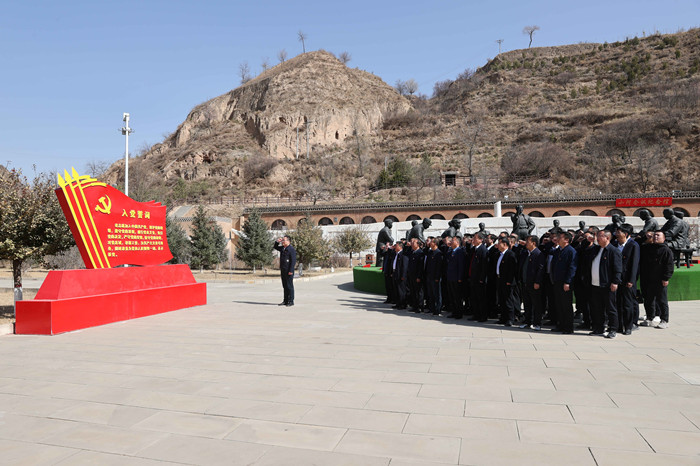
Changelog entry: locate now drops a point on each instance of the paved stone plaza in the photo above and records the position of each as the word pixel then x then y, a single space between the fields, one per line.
pixel 342 379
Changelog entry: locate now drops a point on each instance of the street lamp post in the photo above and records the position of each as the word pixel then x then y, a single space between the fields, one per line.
pixel 126 131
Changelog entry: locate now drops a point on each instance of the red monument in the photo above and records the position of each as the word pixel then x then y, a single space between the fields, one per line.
pixel 110 230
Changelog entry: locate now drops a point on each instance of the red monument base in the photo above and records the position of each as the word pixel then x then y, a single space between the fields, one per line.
pixel 75 299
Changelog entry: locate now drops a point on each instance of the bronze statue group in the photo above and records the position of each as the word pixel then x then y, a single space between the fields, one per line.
pixel 530 282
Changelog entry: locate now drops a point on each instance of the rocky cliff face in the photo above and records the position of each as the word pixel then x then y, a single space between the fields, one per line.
pixel 313 92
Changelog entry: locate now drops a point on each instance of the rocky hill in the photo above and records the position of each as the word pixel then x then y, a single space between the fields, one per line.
pixel 577 119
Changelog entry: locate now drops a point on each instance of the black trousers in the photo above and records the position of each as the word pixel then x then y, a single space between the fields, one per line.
pixel 288 287
pixel 564 305
pixel 627 314
pixel 492 296
pixel 603 304
pixel 656 302
pixel 434 294
pixel 389 286
pixel 454 291
pixel 477 298
pixel 400 292
pixel 550 300
pixel 532 301
pixel 583 295
pixel 416 293
pixel 506 301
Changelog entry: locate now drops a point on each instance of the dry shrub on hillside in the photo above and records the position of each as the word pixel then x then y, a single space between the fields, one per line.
pixel 542 159
pixel 257 167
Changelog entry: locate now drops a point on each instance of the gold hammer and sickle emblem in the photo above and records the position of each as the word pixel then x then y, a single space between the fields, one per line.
pixel 106 207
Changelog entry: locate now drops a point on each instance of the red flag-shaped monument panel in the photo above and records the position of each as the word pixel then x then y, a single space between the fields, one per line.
pixel 109 227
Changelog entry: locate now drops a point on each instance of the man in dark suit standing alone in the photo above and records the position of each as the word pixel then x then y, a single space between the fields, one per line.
pixel 606 274
pixel 288 260
pixel 563 271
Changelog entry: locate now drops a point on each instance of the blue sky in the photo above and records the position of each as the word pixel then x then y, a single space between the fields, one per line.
pixel 71 68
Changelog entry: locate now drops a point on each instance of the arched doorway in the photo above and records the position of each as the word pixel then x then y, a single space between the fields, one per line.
pixel 278 224
pixel 460 216
pixel 325 221
pixel 560 213
pixel 368 219
pixel 437 217
pixel 347 221
pixel 681 209
pixel 536 213
pixel 391 217
pixel 301 221
pixel 484 215
pixel 612 212
pixel 588 213
pixel 412 217
pixel 508 214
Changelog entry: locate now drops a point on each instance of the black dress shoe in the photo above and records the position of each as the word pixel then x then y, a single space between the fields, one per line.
pixel 283 303
pixel 290 304
pixel 436 313
pixel 556 329
pixel 508 323
pixel 612 334
pixel 627 332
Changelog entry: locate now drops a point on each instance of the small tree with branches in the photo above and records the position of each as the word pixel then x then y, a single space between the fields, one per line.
pixel 282 56
pixel 301 35
pixel 353 239
pixel 530 30
pixel 244 72
pixel 411 86
pixel 344 57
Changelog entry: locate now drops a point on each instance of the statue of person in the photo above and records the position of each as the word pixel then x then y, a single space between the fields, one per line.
pixel 672 228
pixel 556 228
pixel 650 224
pixel 453 229
pixel 482 229
pixel 522 223
pixel 581 226
pixel 383 238
pixel 617 221
pixel 683 240
pixel 418 229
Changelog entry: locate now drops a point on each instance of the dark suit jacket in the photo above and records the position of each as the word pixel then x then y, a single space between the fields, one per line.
pixel 535 267
pixel 630 262
pixel 610 270
pixel 388 262
pixel 456 265
pixel 478 264
pixel 564 265
pixel 508 267
pixel 288 258
pixel 492 255
pixel 416 264
pixel 401 270
pixel 433 265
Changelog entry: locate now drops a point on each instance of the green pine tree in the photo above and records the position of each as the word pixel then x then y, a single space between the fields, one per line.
pixel 179 243
pixel 255 244
pixel 208 241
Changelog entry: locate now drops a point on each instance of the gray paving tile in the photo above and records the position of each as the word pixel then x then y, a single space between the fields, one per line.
pixel 287 435
pixel 519 411
pixel 626 438
pixel 105 439
pixel 358 419
pixel 93 458
pixel 282 456
pixel 103 413
pixel 672 442
pixel 26 453
pixel 401 446
pixel 472 428
pixel 409 404
pixel 200 450
pixel 478 452
pixel 198 425
pixel 639 416
pixel 606 457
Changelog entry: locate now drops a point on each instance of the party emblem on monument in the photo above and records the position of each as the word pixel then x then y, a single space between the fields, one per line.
pixel 109 227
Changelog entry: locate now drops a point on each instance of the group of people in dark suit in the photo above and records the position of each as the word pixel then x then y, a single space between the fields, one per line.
pixel 532 281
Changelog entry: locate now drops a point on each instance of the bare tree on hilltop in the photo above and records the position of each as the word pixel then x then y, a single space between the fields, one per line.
pixel 400 86
pixel 302 38
pixel 244 72
pixel 344 57
pixel 265 64
pixel 282 55
pixel 411 86
pixel 530 30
